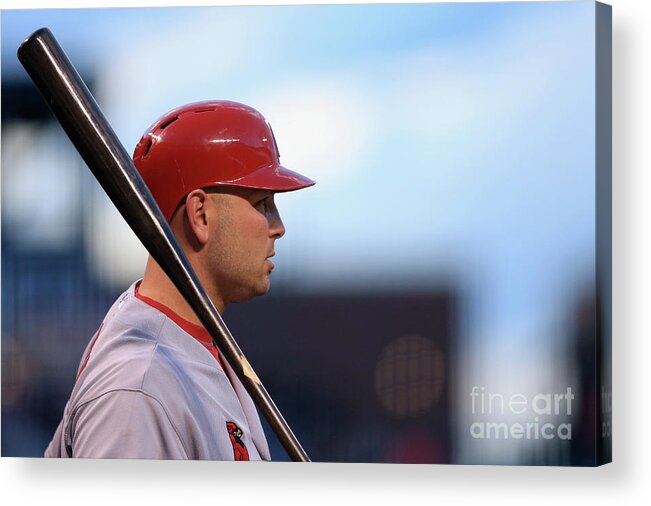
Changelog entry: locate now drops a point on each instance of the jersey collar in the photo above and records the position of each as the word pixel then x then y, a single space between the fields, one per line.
pixel 196 331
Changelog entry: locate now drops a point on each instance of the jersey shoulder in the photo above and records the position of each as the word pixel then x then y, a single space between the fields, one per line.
pixel 142 360
pixel 138 348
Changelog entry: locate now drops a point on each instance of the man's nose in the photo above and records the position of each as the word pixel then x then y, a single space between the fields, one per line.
pixel 276 226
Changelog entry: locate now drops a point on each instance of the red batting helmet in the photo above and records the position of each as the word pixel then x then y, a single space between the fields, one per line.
pixel 215 143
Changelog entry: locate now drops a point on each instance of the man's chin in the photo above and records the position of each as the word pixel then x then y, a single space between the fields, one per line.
pixel 261 289
pixel 265 288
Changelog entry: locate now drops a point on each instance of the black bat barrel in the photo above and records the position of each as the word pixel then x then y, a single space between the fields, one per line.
pixel 83 121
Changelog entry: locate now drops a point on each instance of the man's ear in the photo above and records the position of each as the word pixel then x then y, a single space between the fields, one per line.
pixel 196 218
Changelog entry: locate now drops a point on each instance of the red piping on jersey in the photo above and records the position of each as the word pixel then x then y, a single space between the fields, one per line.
pixel 196 331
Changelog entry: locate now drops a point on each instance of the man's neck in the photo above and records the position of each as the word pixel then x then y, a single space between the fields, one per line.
pixel 157 286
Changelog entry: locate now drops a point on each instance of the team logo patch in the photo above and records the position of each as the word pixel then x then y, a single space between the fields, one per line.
pixel 235 433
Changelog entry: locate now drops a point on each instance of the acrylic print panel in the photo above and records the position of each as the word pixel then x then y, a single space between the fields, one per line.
pixel 442 295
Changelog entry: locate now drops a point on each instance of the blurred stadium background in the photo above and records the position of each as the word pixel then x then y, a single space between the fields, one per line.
pixel 449 242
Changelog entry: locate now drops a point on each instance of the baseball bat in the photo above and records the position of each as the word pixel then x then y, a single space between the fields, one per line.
pixel 88 129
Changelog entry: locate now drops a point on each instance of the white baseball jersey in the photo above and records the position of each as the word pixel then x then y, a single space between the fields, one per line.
pixel 150 385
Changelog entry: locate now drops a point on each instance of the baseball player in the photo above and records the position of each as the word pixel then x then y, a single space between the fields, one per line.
pixel 151 383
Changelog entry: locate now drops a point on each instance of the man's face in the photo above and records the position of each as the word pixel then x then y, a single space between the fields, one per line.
pixel 243 229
